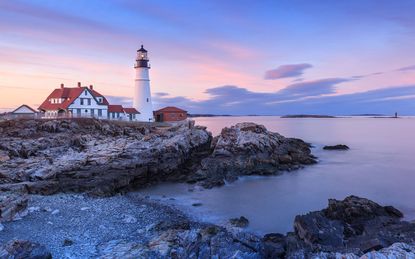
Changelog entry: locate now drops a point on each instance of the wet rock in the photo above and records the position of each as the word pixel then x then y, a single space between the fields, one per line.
pixel 197 204
pixel 240 222
pixel 273 245
pixel 353 223
pixel 20 249
pixel 336 147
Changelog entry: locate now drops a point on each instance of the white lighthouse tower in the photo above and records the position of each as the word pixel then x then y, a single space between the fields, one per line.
pixel 142 94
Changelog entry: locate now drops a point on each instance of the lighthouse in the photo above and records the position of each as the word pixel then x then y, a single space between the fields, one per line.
pixel 142 93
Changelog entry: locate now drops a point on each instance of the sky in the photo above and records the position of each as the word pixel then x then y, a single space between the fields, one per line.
pixel 218 57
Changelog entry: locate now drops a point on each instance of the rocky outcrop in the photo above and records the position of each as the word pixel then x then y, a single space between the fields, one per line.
pixel 250 149
pixel 336 147
pixel 355 225
pixel 19 249
pixel 106 157
pixel 99 157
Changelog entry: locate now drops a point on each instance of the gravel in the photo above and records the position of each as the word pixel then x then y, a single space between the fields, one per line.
pixel 73 225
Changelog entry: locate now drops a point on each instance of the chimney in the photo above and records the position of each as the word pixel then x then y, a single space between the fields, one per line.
pixel 91 87
pixel 62 86
pixel 79 84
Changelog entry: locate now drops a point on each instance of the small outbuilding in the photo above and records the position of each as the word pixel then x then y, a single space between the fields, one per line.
pixel 170 113
pixel 23 111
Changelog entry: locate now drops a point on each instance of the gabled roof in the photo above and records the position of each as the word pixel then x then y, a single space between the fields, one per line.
pixel 115 108
pixel 170 109
pixel 131 111
pixel 69 94
pixel 24 105
pixel 96 94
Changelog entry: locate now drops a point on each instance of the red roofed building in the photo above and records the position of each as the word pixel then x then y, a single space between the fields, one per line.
pixel 82 101
pixel 170 113
pixel 131 113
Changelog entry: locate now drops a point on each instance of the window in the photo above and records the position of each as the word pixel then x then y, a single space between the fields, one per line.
pixel 78 111
pixel 118 114
pixel 113 115
pixel 92 112
pixel 86 92
pixel 86 111
pixel 82 101
pixel 99 112
pixel 147 99
pixel 89 101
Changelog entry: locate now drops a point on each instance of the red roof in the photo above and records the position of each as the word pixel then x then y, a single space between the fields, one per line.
pixel 115 108
pixel 69 94
pixel 131 111
pixel 170 109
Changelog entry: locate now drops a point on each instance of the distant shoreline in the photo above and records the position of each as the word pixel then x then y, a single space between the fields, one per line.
pixel 293 116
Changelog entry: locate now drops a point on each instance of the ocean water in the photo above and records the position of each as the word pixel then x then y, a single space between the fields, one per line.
pixel 379 166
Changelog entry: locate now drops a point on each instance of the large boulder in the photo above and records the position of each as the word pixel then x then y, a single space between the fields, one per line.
pixel 353 224
pixel 249 148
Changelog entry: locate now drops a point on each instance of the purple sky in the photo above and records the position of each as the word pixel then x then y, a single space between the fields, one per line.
pixel 222 57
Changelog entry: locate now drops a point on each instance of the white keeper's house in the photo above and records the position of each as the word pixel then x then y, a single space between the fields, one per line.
pixel 83 101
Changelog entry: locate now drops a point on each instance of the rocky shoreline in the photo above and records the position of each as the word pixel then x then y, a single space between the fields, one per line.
pixel 104 158
pixel 134 226
pixel 89 170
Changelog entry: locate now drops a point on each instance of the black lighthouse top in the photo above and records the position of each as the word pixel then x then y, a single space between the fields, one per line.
pixel 142 58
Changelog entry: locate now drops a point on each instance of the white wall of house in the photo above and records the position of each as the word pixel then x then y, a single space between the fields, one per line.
pixel 117 116
pixel 87 106
pixel 24 110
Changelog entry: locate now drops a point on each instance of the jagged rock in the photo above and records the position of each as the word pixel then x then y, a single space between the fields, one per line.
pixel 397 250
pixel 336 147
pixel 12 206
pixel 19 249
pixel 106 157
pixel 249 148
pixel 353 223
pixel 240 222
pixel 94 156
pixel 274 245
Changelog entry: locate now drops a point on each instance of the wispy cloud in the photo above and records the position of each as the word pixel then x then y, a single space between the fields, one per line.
pixel 285 71
pixel 240 101
pixel 408 68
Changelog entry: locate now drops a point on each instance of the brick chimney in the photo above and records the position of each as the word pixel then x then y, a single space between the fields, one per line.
pixel 79 84
pixel 62 86
pixel 91 87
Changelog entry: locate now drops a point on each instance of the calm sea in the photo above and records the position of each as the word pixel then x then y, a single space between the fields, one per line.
pixel 379 166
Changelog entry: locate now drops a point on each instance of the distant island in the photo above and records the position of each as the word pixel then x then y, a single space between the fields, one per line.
pixel 308 116
pixel 368 115
pixel 208 115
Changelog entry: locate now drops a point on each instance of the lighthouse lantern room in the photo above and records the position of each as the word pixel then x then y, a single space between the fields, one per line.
pixel 142 93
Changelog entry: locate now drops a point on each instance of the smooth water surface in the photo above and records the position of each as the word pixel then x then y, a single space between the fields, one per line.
pixel 379 166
